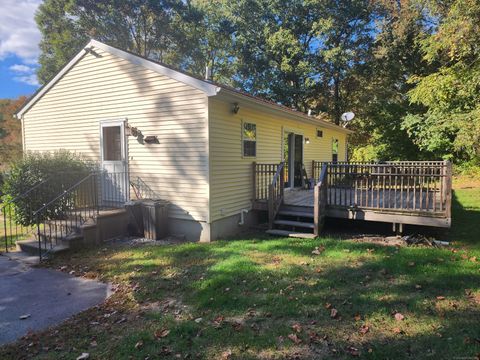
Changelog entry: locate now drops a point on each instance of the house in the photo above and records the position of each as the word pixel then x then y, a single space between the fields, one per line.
pixel 190 141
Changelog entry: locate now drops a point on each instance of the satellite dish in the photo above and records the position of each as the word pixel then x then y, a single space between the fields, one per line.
pixel 348 116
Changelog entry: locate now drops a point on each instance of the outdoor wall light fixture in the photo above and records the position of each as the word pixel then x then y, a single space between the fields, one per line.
pixel 151 139
pixel 235 108
pixel 307 141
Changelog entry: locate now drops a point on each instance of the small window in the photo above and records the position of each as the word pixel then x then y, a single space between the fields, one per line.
pixel 249 139
pixel 335 150
pixel 319 133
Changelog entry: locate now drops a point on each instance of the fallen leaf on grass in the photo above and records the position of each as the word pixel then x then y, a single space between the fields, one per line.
pixel 353 351
pixel 328 305
pixel 314 337
pixel 333 313
pixel 161 333
pixel 364 329
pixel 318 250
pixel 397 330
pixel 357 317
pixel 418 287
pixel 399 317
pixel 237 326
pixel 84 356
pixel 440 297
pixel 297 328
pixel 218 321
pixel 295 338
pixel 139 345
pixel 226 354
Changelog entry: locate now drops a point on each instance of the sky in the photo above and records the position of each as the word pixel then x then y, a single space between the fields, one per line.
pixel 19 39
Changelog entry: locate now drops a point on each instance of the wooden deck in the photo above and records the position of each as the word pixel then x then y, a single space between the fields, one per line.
pixel 397 192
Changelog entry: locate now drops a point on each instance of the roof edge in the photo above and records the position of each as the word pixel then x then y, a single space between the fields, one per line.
pixel 293 113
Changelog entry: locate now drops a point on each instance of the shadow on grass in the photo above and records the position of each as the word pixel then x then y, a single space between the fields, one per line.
pixel 268 285
pixel 465 222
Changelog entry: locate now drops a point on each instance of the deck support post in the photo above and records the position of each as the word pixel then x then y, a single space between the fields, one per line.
pixel 320 201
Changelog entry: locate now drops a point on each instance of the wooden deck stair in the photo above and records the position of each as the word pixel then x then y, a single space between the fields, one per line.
pixel 293 221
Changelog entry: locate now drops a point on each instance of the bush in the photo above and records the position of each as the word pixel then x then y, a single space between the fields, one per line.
pixel 468 169
pixel 49 174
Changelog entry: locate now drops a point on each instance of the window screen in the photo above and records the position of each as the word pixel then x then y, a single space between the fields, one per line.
pixel 112 143
pixel 249 136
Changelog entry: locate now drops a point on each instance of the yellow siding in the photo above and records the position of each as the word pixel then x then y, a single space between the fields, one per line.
pixel 109 88
pixel 231 174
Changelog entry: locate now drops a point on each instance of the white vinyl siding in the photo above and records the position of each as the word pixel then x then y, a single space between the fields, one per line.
pixel 110 88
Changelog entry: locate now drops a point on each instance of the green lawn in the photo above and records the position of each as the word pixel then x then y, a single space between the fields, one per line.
pixel 265 298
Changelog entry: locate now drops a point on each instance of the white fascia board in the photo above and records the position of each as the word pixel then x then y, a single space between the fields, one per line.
pixel 207 88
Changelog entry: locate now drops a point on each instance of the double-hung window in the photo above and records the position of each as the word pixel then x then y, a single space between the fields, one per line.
pixel 249 139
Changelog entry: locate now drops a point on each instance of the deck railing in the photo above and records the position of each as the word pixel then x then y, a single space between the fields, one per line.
pixel 275 194
pixel 268 187
pixel 320 200
pixel 263 175
pixel 403 186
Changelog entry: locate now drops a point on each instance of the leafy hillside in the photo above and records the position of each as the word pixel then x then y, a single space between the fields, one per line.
pixel 10 131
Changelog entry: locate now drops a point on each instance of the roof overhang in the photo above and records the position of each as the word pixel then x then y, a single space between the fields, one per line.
pixel 258 103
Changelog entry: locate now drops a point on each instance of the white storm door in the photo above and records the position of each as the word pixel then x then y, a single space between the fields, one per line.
pixel 114 179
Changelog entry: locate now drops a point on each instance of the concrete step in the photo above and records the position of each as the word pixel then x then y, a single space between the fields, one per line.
pixel 63 225
pixel 301 224
pixel 296 213
pixel 292 234
pixel 31 247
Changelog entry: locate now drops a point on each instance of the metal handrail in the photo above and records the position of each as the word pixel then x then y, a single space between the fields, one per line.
pixel 63 194
pixel 21 196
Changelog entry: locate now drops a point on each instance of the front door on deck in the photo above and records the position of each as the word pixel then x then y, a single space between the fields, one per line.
pixel 114 178
pixel 293 157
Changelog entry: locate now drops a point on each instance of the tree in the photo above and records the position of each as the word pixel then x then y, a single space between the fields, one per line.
pixel 449 125
pixel 145 27
pixel 383 99
pixel 10 132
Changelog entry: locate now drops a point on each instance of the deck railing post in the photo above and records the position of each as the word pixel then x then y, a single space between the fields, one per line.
pixel 316 210
pixel 254 178
pixel 271 212
pixel 313 170
pixel 448 189
pixel 282 181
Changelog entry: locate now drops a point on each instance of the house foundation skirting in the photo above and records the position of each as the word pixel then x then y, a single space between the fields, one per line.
pixel 230 225
pixel 217 230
